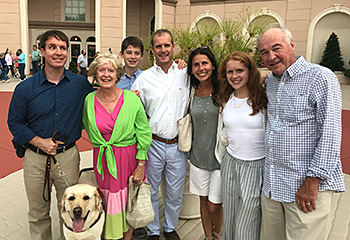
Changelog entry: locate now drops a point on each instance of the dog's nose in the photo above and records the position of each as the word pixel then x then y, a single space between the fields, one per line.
pixel 77 212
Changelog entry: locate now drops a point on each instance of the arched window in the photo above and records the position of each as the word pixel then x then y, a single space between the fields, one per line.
pixel 205 18
pixel 75 39
pixel 209 29
pixel 267 20
pixel 91 39
pixel 207 21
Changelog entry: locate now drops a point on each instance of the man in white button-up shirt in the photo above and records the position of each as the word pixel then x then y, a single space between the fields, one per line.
pixel 164 91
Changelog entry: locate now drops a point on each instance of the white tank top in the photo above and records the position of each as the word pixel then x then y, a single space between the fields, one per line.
pixel 245 133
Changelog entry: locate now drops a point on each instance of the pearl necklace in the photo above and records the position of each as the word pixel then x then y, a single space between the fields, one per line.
pixel 99 96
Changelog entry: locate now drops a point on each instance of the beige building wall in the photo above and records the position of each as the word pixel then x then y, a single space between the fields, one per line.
pixel 183 13
pixel 10 34
pixel 43 10
pixel 297 15
pixel 133 18
pixel 146 14
pixel 139 14
pixel 169 12
pixel 111 25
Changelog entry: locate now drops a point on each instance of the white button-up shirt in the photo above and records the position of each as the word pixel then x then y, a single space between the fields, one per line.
pixel 164 97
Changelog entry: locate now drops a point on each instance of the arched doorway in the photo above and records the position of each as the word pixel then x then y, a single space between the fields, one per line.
pixel 75 46
pixel 90 49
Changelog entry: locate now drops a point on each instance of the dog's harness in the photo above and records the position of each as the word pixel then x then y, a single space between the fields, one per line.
pixel 55 138
pixel 91 226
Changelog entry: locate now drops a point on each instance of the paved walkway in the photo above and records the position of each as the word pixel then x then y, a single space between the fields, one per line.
pixel 13 204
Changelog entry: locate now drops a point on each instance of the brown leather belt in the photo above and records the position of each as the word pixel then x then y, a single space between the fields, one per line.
pixel 164 140
pixel 58 150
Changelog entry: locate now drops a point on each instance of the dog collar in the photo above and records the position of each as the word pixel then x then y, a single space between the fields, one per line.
pixel 91 226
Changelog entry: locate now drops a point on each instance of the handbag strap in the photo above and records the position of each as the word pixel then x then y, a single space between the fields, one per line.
pixel 189 104
pixel 130 193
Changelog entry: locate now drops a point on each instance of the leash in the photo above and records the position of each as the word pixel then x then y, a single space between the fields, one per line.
pixel 55 138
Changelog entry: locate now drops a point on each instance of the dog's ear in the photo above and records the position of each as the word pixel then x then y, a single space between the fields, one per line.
pixel 97 199
pixel 63 200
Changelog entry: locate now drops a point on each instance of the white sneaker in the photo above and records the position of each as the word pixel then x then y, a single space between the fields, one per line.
pixel 8 80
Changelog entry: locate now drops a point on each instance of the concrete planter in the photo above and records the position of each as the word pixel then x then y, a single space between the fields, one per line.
pixel 342 79
pixel 190 202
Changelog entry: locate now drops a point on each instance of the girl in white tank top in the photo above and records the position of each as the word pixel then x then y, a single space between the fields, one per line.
pixel 242 100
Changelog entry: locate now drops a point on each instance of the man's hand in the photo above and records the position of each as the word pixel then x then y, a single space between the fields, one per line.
pixel 79 70
pixel 137 92
pixel 307 194
pixel 47 145
pixel 181 64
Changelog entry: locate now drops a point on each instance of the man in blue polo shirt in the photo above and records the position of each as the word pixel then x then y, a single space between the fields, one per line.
pixel 50 101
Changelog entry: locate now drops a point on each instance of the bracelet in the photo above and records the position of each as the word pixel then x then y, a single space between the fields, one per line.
pixel 141 164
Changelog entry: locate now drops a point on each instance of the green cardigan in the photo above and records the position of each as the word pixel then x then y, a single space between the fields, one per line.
pixel 130 127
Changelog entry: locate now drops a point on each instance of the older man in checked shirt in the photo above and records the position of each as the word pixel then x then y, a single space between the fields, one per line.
pixel 303 136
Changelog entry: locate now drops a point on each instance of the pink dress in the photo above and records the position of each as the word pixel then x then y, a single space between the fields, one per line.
pixel 114 191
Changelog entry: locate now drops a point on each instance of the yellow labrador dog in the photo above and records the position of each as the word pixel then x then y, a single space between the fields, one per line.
pixel 82 212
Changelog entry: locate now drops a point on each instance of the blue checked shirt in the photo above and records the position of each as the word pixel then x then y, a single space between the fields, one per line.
pixel 303 132
pixel 126 82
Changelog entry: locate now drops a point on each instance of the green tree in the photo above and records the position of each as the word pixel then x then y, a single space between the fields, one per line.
pixel 223 38
pixel 332 58
pixel 73 67
pixel 230 35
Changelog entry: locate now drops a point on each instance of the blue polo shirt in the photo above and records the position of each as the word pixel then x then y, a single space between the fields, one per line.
pixel 126 82
pixel 39 107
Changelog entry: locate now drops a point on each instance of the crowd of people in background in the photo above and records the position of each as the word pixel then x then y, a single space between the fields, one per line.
pixel 15 64
pixel 265 155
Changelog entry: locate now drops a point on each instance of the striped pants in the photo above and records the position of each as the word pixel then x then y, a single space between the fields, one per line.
pixel 241 189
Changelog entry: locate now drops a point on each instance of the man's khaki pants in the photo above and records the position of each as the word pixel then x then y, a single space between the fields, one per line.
pixel 284 221
pixel 34 165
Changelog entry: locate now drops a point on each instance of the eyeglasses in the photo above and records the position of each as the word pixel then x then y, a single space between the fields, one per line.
pixel 199 48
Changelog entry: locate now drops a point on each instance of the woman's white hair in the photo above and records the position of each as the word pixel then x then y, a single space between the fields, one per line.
pixel 103 58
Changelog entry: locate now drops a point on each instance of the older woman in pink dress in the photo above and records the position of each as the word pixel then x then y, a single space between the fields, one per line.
pixel 117 126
